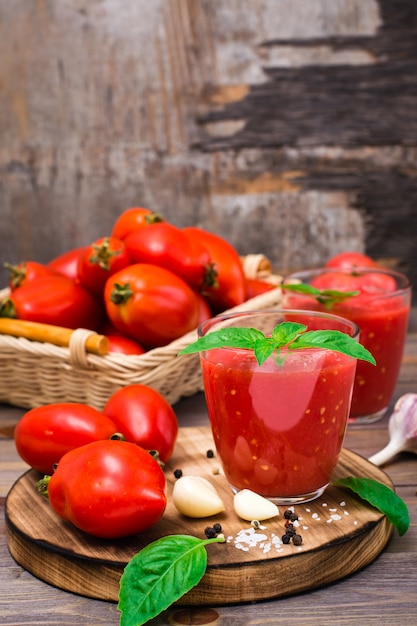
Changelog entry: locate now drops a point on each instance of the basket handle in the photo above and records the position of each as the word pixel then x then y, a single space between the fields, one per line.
pixel 57 335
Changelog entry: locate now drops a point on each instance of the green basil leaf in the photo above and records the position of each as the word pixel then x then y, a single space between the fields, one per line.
pixel 286 332
pixel 225 338
pixel 159 575
pixel 333 340
pixel 382 498
pixel 263 349
pixel 327 297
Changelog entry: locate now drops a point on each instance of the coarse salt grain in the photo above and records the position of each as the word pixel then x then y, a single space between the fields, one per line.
pixel 343 503
pixel 336 517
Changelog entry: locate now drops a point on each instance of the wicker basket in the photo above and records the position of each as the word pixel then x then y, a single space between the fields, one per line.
pixel 34 373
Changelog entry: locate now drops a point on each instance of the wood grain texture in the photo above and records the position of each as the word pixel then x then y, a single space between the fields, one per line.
pixel 333 547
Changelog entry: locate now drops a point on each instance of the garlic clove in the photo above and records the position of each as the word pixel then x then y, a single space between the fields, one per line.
pixel 195 496
pixel 250 505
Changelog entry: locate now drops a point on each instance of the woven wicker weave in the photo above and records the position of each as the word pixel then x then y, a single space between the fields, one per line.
pixel 33 373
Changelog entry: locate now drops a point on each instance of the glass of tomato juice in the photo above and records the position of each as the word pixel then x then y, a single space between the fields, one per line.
pixel 279 427
pixel 381 309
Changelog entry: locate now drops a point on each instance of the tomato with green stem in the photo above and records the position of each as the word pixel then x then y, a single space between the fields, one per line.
pixel 350 260
pixel 150 304
pixel 44 434
pixel 133 218
pixel 108 489
pixel 101 259
pixel 25 272
pixel 55 300
pixel 144 417
pixel 229 288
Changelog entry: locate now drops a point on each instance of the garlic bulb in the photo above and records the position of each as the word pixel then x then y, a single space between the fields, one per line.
pixel 195 496
pixel 251 506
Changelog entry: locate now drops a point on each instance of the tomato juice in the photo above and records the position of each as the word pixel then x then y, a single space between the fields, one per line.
pixel 381 310
pixel 279 428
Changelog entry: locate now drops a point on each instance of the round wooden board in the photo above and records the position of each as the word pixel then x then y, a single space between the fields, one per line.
pixel 341 535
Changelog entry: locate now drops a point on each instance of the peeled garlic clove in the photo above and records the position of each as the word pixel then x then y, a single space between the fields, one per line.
pixel 195 496
pixel 250 505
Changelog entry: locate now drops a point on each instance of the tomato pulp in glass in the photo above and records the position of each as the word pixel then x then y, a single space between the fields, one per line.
pixel 382 318
pixel 278 429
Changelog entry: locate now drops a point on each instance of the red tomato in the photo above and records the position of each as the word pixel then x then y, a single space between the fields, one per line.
pixel 230 289
pixel 144 417
pixel 67 263
pixel 256 287
pixel 101 259
pixel 44 434
pixel 350 260
pixel 150 304
pixel 25 272
pixel 166 245
pixel 109 489
pixel 118 344
pixel 55 300
pixel 133 218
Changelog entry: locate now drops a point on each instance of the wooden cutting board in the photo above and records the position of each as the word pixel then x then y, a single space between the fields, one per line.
pixel 341 534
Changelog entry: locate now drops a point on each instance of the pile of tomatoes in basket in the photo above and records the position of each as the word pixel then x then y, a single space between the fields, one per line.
pixel 144 285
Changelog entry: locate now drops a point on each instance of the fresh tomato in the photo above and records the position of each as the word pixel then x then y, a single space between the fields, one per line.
pixel 350 260
pixel 118 344
pixel 67 263
pixel 108 489
pixel 166 245
pixel 44 434
pixel 55 300
pixel 150 304
pixel 144 417
pixel 230 287
pixel 256 287
pixel 25 272
pixel 133 218
pixel 100 260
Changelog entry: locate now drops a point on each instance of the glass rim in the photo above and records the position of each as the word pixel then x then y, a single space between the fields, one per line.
pixel 402 280
pixel 280 311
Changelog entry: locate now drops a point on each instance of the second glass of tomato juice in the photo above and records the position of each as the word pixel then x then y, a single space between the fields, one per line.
pixel 378 301
pixel 278 427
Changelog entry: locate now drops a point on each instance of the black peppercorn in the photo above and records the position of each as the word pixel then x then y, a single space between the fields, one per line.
pixel 286 538
pixel 217 528
pixel 210 454
pixel 297 540
pixel 178 473
pixel 210 532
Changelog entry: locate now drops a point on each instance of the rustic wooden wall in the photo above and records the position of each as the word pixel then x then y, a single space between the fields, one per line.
pixel 288 127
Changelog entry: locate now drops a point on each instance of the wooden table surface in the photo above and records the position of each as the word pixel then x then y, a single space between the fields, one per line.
pixel 384 593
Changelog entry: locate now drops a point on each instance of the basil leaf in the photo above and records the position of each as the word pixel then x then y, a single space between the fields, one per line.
pixel 382 498
pixel 333 340
pixel 327 297
pixel 225 338
pixel 159 575
pixel 286 332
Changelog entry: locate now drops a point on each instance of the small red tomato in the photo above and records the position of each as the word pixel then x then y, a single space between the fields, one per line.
pixel 44 434
pixel 67 263
pixel 256 287
pixel 351 260
pixel 118 344
pixel 230 287
pixel 108 489
pixel 25 272
pixel 55 300
pixel 144 417
pixel 167 246
pixel 100 260
pixel 150 304
pixel 133 218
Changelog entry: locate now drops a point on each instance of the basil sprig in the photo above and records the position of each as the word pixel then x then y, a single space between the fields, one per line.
pixel 161 574
pixel 289 335
pixel 327 297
